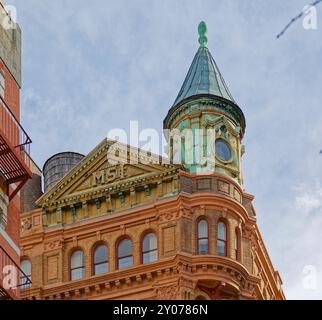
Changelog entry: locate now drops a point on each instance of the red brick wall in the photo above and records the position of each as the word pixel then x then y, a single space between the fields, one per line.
pixel 13 215
pixel 12 95
pixel 11 252
pixel 12 98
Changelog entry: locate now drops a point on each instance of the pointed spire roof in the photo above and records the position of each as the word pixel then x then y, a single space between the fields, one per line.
pixel 203 76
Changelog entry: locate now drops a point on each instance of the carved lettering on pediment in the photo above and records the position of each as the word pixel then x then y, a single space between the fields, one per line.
pixel 109 175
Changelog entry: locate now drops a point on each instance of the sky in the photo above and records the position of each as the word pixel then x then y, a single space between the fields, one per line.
pixel 91 66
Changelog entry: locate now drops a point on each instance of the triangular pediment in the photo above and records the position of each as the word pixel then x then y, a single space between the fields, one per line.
pixel 107 166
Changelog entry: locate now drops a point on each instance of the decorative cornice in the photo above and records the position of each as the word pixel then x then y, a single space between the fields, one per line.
pixel 204 102
pixel 181 265
pixel 112 188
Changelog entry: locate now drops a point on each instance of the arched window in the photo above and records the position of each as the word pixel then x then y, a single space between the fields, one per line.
pixel 25 277
pixel 149 248
pixel 222 239
pixel 203 238
pixel 100 259
pixel 236 244
pixel 77 269
pixel 125 254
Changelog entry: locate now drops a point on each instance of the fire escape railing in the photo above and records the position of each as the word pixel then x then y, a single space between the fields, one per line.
pixel 12 278
pixel 14 150
pixel 14 132
pixel 3 219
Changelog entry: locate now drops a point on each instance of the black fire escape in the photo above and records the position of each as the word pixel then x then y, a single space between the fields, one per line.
pixel 14 170
pixel 14 150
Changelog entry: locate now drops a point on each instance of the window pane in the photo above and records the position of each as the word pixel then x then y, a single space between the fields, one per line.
pixel 25 282
pixel 149 242
pixel 101 268
pixel 125 262
pixel 221 231
pixel 203 229
pixel 25 277
pixel 77 260
pixel 77 274
pixel 150 256
pixel 101 254
pixel 125 248
pixel 26 267
pixel 203 246
pixel 221 248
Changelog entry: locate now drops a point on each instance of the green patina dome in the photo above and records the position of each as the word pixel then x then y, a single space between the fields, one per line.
pixel 204 79
pixel 203 76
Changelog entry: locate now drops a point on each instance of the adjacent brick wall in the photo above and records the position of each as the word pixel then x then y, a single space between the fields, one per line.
pixel 12 95
pixel 10 50
pixel 30 192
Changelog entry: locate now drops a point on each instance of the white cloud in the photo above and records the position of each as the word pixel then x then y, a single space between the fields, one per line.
pixel 308 200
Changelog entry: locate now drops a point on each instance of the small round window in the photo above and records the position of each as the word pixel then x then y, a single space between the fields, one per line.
pixel 223 151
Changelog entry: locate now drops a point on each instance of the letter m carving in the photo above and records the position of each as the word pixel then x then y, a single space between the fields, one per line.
pixel 98 178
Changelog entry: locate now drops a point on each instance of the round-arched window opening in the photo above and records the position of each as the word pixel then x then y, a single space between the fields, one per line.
pixel 125 254
pixel 149 248
pixel 77 267
pixel 101 260
pixel 223 151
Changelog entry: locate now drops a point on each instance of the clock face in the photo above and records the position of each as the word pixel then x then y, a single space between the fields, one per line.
pixel 223 151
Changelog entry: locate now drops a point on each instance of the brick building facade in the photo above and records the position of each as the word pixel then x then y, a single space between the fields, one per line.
pixel 14 142
pixel 125 224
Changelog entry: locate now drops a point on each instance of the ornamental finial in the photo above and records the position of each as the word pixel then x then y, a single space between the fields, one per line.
pixel 202 30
